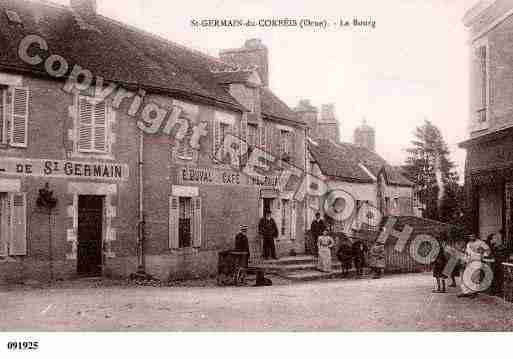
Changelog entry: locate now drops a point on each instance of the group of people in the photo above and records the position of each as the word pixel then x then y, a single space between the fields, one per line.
pixel 349 251
pixel 268 231
pixel 479 254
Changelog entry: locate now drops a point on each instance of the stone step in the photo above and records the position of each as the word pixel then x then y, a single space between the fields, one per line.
pixel 279 268
pixel 309 275
pixel 289 260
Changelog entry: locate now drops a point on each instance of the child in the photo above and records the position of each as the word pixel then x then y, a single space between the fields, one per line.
pixel 438 269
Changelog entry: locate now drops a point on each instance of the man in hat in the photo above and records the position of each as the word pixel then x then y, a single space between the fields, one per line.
pixel 316 228
pixel 268 230
pixel 241 240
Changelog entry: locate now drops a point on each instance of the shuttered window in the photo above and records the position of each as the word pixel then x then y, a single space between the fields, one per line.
pixel 18 243
pixel 185 222
pixel 19 120
pixel 252 134
pixel 92 126
pixel 3 118
pixel 13 224
pixel 481 76
pixel 293 220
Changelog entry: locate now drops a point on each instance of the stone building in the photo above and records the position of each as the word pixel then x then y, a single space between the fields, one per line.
pixel 354 167
pixel 489 162
pixel 130 156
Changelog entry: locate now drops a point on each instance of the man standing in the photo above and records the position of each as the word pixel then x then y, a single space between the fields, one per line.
pixel 268 230
pixel 359 249
pixel 316 229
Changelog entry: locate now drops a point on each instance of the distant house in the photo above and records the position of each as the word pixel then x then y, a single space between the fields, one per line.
pixel 354 168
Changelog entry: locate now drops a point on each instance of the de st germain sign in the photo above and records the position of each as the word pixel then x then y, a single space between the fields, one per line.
pixel 63 169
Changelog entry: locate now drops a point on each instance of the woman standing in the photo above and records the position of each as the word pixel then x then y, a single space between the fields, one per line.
pixel 475 251
pixel 325 242
pixel 377 259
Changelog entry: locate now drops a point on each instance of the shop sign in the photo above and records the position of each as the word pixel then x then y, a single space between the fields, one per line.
pixel 218 176
pixel 63 169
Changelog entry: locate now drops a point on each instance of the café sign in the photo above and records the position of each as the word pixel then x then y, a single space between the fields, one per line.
pixel 63 169
pixel 218 176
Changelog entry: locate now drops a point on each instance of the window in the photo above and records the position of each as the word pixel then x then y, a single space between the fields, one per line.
pixel 223 125
pixel 184 221
pixel 252 134
pixel 184 151
pixel 483 81
pixel 3 118
pixel 92 125
pixel 13 231
pixel 185 224
pixel 14 106
pixel 285 144
pixel 285 217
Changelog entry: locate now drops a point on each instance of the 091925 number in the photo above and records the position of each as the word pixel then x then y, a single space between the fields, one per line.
pixel 22 345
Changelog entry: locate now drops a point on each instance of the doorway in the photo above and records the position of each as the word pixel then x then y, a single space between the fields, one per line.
pixel 267 206
pixel 90 233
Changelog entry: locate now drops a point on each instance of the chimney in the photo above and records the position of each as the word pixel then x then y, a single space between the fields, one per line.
pixel 84 8
pixel 328 113
pixel 308 114
pixel 253 53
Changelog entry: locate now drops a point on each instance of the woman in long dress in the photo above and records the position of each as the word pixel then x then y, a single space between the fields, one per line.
pixel 324 243
pixel 475 252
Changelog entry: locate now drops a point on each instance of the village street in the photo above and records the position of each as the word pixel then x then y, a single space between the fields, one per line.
pixel 399 302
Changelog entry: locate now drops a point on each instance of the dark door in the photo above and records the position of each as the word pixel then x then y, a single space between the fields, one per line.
pixel 89 251
pixel 268 205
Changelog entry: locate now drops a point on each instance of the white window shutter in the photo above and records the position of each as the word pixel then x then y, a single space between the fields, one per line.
pixel 19 120
pixel 85 124
pixel 293 220
pixel 269 139
pixel 262 136
pixel 196 224
pixel 3 122
pixel 243 134
pixel 4 226
pixel 277 215
pixel 173 223
pixel 216 136
pixel 100 126
pixel 18 240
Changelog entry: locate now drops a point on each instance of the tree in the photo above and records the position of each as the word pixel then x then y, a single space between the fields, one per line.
pixel 428 156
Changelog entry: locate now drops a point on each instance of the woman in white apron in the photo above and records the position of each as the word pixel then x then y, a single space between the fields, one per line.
pixel 472 281
pixel 325 242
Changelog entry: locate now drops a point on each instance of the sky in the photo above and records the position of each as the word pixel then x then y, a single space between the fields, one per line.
pixel 412 66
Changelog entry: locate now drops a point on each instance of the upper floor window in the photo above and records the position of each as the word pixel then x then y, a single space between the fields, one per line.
pixel 14 109
pixel 224 124
pixel 483 84
pixel 92 125
pixel 285 143
pixel 252 134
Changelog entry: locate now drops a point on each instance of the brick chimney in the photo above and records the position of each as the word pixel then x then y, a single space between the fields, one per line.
pixel 255 53
pixel 308 114
pixel 84 8
pixel 328 125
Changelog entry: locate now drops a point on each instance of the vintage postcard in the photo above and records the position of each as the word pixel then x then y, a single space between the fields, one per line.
pixel 254 166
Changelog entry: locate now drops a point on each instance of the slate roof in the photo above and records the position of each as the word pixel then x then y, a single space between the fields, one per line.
pixel 119 53
pixel 345 161
pixel 274 108
pixel 232 77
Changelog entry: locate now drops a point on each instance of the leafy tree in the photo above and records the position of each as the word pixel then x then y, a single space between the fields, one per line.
pixel 428 153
